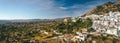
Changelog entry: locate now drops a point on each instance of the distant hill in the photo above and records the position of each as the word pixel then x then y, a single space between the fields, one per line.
pixel 31 20
pixel 4 21
pixel 105 8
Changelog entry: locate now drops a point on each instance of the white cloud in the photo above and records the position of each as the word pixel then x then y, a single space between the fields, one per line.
pixel 64 8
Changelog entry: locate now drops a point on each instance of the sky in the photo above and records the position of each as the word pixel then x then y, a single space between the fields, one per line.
pixel 46 9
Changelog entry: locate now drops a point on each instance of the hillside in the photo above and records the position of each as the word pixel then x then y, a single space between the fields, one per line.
pixel 105 8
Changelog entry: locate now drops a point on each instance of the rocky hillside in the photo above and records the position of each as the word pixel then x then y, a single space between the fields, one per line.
pixel 105 8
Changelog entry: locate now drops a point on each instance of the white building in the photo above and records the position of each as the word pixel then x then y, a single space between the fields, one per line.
pixel 109 24
pixel 73 20
pixel 112 31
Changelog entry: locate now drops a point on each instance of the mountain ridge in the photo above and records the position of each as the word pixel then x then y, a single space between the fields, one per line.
pixel 105 8
pixel 31 20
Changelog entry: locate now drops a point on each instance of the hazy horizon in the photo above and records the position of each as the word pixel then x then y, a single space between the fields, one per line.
pixel 45 9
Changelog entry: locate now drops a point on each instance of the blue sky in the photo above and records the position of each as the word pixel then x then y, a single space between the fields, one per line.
pixel 46 9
